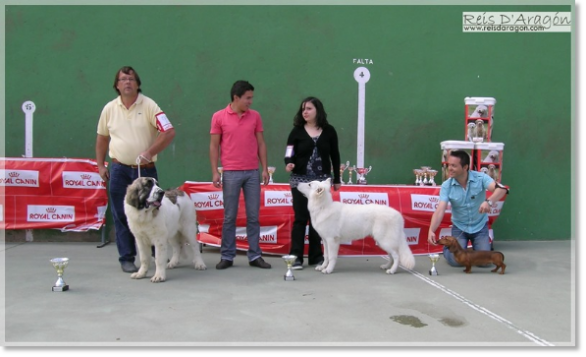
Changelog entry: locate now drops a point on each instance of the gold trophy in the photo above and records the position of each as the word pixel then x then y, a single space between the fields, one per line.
pixel 271 170
pixel 434 257
pixel 289 259
pixel 350 169
pixel 59 264
pixel 432 174
pixel 425 172
pixel 221 172
pixel 343 167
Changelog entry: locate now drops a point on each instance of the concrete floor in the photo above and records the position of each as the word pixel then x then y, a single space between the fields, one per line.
pixel 533 304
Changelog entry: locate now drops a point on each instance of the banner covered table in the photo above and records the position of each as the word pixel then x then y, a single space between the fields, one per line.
pixel 40 193
pixel 416 204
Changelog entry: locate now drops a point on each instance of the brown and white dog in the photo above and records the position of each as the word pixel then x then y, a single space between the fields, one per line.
pixel 468 258
pixel 157 217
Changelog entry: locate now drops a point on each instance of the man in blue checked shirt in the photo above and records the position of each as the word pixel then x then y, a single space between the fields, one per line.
pixel 465 190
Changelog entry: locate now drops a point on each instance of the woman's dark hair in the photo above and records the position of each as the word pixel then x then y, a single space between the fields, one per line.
pixel 321 117
pixel 126 70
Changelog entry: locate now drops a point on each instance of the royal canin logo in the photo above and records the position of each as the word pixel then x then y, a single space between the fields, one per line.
pixel 13 174
pixel 51 210
pixel 214 196
pixel 86 176
pixel 288 194
pixel 433 199
pixel 363 196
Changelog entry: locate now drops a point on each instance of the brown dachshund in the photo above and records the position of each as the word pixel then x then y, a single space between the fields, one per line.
pixel 468 258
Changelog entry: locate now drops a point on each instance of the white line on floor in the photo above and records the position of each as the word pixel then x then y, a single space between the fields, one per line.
pixel 530 336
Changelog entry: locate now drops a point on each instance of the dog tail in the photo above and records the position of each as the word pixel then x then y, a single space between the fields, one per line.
pixel 406 257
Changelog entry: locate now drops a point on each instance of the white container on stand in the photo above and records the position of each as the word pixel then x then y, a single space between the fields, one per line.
pixel 479 119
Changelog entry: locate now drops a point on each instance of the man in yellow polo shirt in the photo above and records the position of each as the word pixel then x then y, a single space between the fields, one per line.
pixel 133 130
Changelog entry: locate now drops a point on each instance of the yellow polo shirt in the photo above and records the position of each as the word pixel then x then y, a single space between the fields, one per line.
pixel 132 130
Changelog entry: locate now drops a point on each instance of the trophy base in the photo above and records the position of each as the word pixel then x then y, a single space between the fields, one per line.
pixel 433 272
pixel 60 288
pixel 289 277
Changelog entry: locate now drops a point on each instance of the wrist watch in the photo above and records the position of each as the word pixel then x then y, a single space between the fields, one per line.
pixel 489 202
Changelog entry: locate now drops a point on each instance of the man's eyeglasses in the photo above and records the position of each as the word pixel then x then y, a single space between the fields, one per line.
pixel 126 79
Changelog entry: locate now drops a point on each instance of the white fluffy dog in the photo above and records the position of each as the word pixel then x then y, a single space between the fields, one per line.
pixel 492 156
pixel 159 218
pixel 479 112
pixel 337 223
pixel 471 132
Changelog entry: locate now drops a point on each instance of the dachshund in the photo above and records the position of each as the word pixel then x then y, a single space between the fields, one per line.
pixel 468 258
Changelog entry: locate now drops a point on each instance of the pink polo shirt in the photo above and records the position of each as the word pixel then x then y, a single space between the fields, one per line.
pixel 238 145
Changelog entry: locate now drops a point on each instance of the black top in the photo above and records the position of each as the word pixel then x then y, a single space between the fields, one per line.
pixel 303 145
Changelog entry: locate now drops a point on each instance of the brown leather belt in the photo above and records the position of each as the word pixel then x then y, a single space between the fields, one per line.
pixel 150 165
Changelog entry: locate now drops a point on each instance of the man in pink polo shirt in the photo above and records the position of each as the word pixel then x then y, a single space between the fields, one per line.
pixel 237 140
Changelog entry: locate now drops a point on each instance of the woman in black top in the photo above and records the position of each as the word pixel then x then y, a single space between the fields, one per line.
pixel 312 152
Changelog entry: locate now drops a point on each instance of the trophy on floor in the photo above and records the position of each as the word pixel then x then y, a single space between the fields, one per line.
pixel 59 264
pixel 289 259
pixel 350 169
pixel 434 257
pixel 271 170
pixel 362 172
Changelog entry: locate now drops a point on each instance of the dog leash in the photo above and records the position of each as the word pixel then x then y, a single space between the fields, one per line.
pixel 138 160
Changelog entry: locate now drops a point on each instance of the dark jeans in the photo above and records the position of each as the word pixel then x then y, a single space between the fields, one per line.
pixel 480 241
pixel 302 216
pixel 120 177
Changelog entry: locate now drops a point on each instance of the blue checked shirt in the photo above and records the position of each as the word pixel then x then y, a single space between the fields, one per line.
pixel 465 203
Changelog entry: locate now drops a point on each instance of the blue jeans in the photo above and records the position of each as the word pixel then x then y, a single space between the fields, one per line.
pixel 233 182
pixel 120 177
pixel 480 241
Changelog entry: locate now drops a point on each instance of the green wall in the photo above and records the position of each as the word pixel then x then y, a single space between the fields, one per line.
pixel 64 58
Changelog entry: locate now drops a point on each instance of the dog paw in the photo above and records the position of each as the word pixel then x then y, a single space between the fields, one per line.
pixel 137 275
pixel 157 279
pixel 389 271
pixel 200 266
pixel 319 267
pixel 171 265
pixel 327 271
pixel 385 266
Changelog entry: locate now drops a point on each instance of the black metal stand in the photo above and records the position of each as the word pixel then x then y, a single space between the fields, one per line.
pixel 104 241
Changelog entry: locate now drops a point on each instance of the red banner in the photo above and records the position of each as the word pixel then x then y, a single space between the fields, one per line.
pixel 40 193
pixel 416 204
